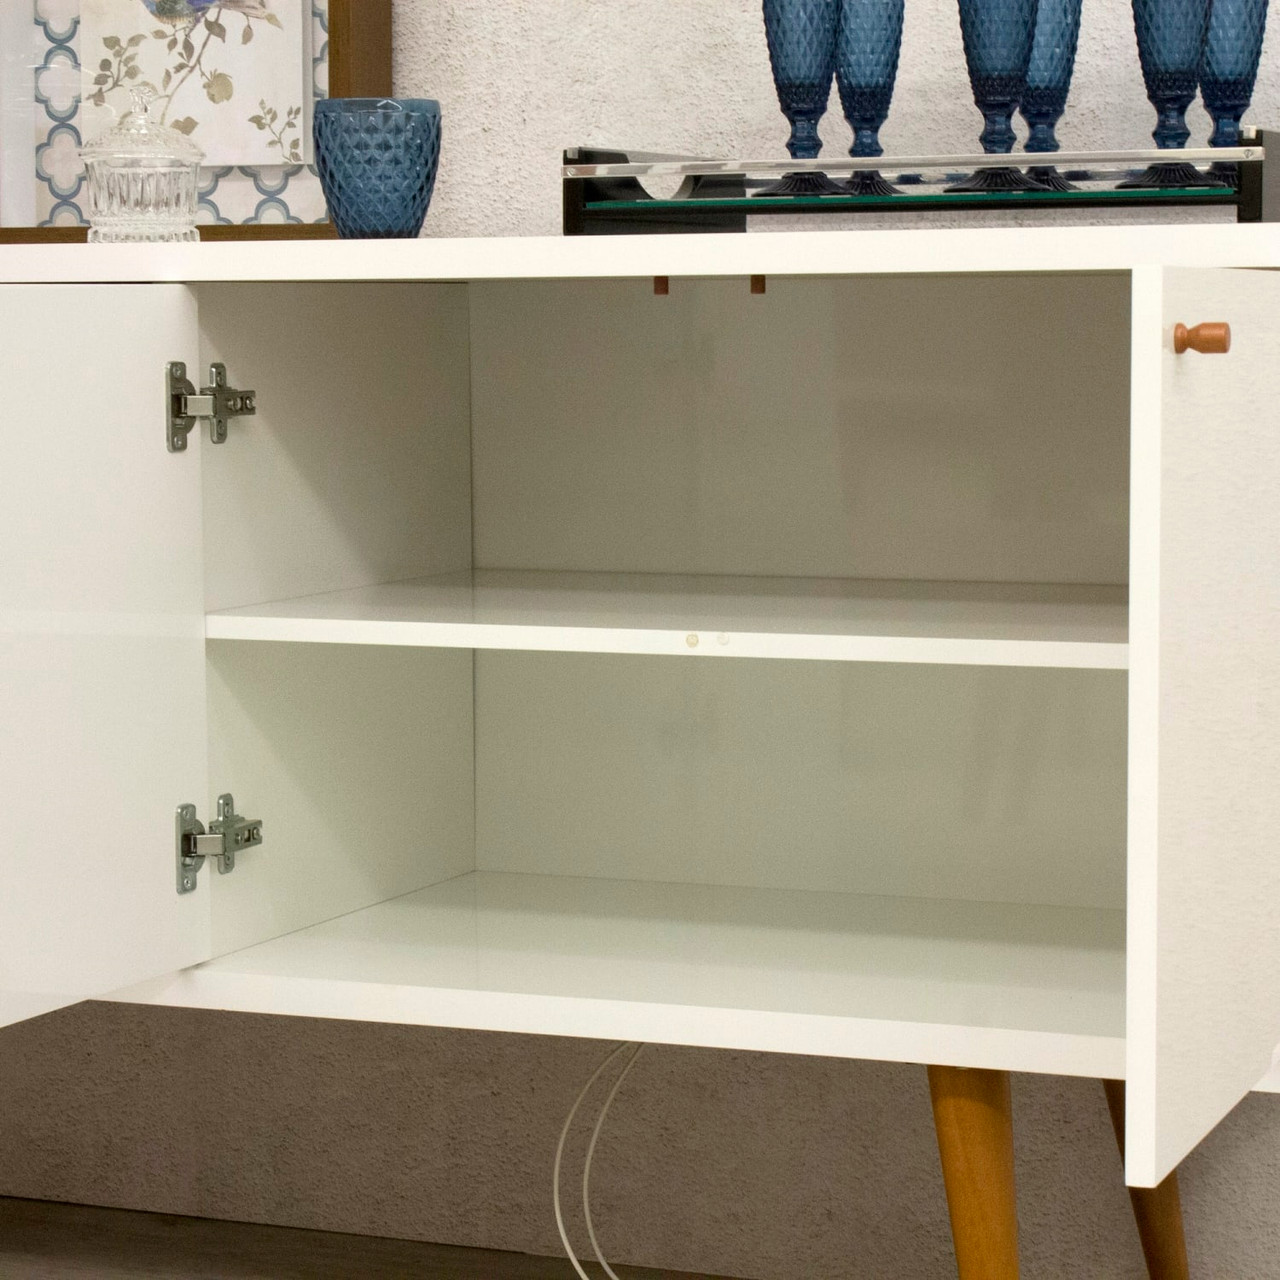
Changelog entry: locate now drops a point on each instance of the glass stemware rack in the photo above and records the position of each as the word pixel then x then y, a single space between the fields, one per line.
pixel 609 192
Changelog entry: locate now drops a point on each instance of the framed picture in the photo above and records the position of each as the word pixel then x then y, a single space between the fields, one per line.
pixel 238 76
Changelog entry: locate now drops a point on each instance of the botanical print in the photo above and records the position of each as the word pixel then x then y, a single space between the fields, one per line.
pixel 229 73
pixel 247 194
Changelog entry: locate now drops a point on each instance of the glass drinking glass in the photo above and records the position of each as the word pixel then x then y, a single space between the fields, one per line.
pixel 868 44
pixel 1229 70
pixel 802 51
pixel 1053 59
pixel 378 159
pixel 998 35
pixel 1171 39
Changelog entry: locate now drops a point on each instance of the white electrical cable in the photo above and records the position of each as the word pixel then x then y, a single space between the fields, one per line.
pixel 591 1150
pixel 564 1136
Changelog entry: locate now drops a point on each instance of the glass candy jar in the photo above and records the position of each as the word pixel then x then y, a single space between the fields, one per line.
pixel 142 179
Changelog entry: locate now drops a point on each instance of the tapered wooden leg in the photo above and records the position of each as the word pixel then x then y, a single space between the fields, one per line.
pixel 1158 1210
pixel 974 1118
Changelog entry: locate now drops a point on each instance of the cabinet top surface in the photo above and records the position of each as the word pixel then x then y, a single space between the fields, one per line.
pixel 915 251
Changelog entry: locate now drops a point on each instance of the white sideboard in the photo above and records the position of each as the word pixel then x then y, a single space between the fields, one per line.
pixel 884 666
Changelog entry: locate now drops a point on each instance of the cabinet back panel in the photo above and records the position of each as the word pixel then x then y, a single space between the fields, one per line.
pixel 933 428
pixel 356 468
pixel 360 764
pixel 954 782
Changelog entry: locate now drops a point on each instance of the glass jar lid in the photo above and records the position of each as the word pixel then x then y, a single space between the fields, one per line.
pixel 140 138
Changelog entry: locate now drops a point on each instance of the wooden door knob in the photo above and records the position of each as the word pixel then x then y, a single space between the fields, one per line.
pixel 1213 339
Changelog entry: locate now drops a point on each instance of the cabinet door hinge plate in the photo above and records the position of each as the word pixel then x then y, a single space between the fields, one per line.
pixel 218 403
pixel 228 834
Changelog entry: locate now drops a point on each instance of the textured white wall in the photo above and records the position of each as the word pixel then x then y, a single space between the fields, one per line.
pixel 519 80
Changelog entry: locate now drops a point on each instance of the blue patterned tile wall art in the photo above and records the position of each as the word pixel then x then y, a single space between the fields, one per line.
pixel 231 195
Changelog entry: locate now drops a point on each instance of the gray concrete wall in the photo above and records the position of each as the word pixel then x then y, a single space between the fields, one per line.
pixel 746 1164
pixel 767 1167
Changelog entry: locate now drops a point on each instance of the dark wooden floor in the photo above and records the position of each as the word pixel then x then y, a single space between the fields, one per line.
pixel 40 1241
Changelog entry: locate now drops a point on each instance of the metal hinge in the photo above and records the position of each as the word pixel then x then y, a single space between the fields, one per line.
pixel 228 835
pixel 217 402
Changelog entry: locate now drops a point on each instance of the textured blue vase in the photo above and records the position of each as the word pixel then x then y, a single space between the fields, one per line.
pixel 1044 99
pixel 1229 66
pixel 868 44
pixel 1171 38
pixel 802 50
pixel 377 160
pixel 998 37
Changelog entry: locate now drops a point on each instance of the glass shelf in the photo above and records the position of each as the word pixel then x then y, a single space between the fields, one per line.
pixel 586 163
pixel 934 199
pixel 616 191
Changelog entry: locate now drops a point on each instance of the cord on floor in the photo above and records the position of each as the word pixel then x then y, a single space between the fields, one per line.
pixel 586 1173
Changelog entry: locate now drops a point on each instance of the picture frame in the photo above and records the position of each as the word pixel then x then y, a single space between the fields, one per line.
pixel 360 63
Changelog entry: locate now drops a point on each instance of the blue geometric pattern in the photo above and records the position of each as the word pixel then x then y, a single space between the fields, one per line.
pixel 210 180
pixel 867 50
pixel 62 138
pixel 801 35
pixel 1171 35
pixel 1053 58
pixel 57 165
pixel 281 190
pixel 998 36
pixel 1229 69
pixel 378 162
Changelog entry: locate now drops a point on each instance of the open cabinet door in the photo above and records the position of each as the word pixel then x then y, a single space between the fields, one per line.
pixel 1204 710
pixel 102 706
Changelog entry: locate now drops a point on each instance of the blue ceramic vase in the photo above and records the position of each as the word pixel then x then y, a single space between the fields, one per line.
pixel 802 50
pixel 1229 66
pixel 998 37
pixel 868 44
pixel 377 160
pixel 1171 41
pixel 1044 99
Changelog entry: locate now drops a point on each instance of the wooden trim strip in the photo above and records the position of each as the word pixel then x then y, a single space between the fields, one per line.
pixel 360 49
pixel 262 231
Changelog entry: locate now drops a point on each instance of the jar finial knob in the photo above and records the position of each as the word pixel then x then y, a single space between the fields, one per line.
pixel 141 97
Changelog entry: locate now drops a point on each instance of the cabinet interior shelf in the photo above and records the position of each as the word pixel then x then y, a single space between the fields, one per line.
pixel 1017 986
pixel 987 624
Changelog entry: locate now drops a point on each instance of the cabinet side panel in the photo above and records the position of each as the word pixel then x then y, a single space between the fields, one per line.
pixel 945 782
pixel 1146 416
pixel 357 467
pixel 1207 650
pixel 102 715
pixel 360 763
pixel 926 428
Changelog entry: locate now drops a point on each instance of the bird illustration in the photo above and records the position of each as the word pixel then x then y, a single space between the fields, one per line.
pixel 185 12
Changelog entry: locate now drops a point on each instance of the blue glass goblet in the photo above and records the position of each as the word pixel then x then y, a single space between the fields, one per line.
pixel 1229 70
pixel 802 51
pixel 998 36
pixel 1171 35
pixel 868 44
pixel 377 159
pixel 1053 58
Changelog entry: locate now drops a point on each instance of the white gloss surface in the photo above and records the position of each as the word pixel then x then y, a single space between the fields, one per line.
pixel 910 979
pixel 983 623
pixel 102 664
pixel 810 252
pixel 1204 756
